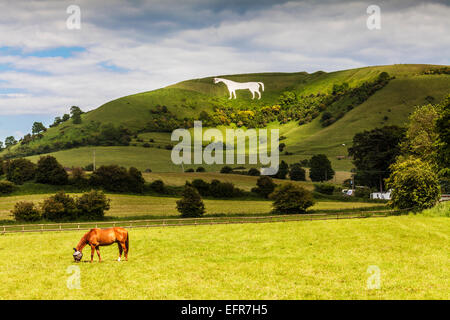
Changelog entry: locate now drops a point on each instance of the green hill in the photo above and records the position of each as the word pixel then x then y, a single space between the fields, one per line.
pixel 390 104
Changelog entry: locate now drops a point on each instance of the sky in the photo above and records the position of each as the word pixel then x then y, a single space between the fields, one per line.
pixel 126 47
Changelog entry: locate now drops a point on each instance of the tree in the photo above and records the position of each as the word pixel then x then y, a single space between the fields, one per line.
pixel 59 207
pixel 421 133
pixel 26 211
pixel 37 128
pixel 283 170
pixel 49 171
pixel 92 205
pixel 265 186
pixel 76 113
pixel 414 184
pixel 290 198
pixel 443 139
pixel 1 145
pixel 320 168
pixel 297 173
pixel 20 170
pixel 373 152
pixel 10 141
pixel 191 204
pixel 65 117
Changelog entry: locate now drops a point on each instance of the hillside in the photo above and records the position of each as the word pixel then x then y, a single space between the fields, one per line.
pixel 139 113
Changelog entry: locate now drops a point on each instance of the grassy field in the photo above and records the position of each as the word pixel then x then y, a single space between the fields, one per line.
pixel 147 206
pixel 294 260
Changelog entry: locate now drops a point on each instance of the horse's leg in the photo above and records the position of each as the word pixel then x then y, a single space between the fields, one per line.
pixel 231 95
pixel 125 250
pixel 253 94
pixel 234 92
pixel 120 250
pixel 92 253
pixel 98 253
pixel 259 93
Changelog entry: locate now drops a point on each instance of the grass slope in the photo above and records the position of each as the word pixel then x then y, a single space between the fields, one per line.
pixel 189 98
pixel 294 260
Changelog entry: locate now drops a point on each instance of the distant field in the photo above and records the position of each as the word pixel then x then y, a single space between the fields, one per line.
pixel 135 206
pixel 293 260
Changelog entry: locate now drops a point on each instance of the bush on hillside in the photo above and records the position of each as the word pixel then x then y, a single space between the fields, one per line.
pixel 78 177
pixel 20 170
pixel 26 212
pixel 254 172
pixel 202 187
pixel 200 169
pixel 158 186
pixel 324 188
pixel 60 207
pixel 297 173
pixel 320 168
pixel 264 186
pixel 191 204
pixel 226 169
pixel 49 171
pixel 117 179
pixel 414 185
pixel 290 198
pixel 7 187
pixel 92 205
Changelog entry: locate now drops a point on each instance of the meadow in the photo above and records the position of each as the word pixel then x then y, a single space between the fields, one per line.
pixel 137 206
pixel 292 260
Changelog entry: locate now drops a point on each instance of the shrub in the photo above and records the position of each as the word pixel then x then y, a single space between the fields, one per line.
pixel 265 186
pixel 320 168
pixel 148 170
pixel 136 180
pixel 117 179
pixel 200 169
pixel 146 145
pixel 324 188
pixel 60 207
pixel 189 170
pixel 49 171
pixel 226 169
pixel 297 173
pixel 78 177
pixel 7 187
pixel 362 193
pixel 92 205
pixel 89 167
pixel 158 186
pixel 191 204
pixel 283 170
pixel 290 198
pixel 202 186
pixel 221 189
pixel 254 172
pixel 20 170
pixel 26 211
pixel 414 185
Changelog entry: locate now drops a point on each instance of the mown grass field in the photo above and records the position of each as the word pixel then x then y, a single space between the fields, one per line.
pixel 151 207
pixel 293 260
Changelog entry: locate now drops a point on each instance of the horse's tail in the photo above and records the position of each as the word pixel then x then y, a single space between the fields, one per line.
pixel 127 242
pixel 262 85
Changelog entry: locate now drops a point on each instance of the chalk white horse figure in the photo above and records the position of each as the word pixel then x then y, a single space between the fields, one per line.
pixel 233 86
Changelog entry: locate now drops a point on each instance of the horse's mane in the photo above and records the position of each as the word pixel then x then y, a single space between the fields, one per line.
pixel 83 241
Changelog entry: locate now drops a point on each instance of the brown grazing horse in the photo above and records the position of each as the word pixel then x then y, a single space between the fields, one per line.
pixel 103 237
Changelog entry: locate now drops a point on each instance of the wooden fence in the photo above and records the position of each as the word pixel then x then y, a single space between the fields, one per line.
pixel 173 222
